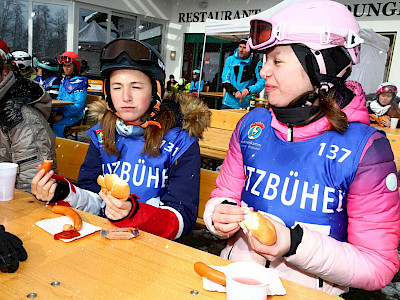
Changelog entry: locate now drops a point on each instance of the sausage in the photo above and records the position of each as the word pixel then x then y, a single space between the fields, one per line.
pixel 210 273
pixel 69 212
pixel 46 165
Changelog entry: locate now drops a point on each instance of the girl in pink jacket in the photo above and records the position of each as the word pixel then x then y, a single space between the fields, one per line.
pixel 311 163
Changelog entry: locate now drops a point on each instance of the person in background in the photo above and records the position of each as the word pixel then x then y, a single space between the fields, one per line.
pixel 48 75
pixel 311 163
pixel 4 47
pixel 23 61
pixel 182 85
pixel 384 106
pixel 25 135
pixel 141 139
pixel 241 78
pixel 196 84
pixel 73 88
pixel 171 83
pixel 11 251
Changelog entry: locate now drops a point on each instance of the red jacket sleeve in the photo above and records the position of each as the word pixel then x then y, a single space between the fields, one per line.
pixel 159 221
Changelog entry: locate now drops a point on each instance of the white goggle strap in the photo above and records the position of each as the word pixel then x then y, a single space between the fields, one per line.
pixel 279 31
pixel 357 39
pixel 324 35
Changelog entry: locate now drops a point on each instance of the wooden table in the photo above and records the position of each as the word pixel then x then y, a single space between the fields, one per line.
pixel 147 267
pixel 60 103
pixel 212 94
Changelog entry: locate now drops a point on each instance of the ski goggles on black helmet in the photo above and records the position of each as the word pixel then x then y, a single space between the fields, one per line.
pixel 134 51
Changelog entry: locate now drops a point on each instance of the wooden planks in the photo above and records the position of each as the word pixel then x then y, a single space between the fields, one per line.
pixel 207 185
pixel 70 156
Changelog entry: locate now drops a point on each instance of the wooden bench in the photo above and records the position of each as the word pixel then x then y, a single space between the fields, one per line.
pixel 216 138
pixel 71 154
pixel 82 125
pixel 207 185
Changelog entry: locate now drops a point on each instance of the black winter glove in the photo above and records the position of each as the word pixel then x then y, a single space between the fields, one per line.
pixel 11 251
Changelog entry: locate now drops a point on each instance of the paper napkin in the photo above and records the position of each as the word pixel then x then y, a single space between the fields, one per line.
pixel 55 225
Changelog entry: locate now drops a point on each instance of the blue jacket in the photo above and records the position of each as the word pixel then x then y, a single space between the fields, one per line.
pixel 50 84
pixel 239 74
pixel 194 86
pixel 75 90
pixel 179 193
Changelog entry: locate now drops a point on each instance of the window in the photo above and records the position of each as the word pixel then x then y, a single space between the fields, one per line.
pixel 92 37
pixel 123 27
pixel 151 33
pixel 14 24
pixel 49 29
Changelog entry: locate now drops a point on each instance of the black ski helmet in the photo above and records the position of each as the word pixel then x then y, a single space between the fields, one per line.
pixel 136 55
pixel 47 63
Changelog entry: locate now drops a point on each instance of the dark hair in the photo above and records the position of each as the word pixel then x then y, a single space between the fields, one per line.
pixel 152 134
pixel 171 76
pixel 393 111
pixel 330 107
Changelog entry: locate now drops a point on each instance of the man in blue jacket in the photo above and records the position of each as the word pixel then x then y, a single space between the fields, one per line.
pixel 241 78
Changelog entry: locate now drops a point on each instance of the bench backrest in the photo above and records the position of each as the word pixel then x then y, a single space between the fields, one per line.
pixel 70 156
pixel 207 185
pixel 225 119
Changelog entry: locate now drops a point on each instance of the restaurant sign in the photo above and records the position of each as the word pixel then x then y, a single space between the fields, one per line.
pixel 369 10
pixel 372 10
pixel 202 16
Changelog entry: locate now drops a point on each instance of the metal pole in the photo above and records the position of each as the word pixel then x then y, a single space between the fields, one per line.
pixel 202 62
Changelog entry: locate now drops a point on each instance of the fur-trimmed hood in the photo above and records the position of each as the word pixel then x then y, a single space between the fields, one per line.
pixel 196 116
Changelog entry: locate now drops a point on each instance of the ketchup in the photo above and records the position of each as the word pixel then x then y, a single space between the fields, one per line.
pixel 70 234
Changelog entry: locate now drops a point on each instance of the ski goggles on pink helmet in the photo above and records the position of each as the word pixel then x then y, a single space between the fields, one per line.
pixel 387 87
pixel 312 23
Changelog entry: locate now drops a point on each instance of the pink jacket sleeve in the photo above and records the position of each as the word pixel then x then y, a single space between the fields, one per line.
pixel 370 260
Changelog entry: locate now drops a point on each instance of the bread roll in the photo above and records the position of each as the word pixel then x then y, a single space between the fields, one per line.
pixel 113 185
pixel 260 227
pixel 101 183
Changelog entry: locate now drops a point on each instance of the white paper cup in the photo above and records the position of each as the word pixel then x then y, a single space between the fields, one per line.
pixel 393 122
pixel 246 281
pixel 8 173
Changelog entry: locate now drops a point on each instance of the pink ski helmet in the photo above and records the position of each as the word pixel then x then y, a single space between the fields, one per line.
pixel 318 25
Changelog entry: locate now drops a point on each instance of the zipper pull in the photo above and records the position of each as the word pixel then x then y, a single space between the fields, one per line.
pixel 289 137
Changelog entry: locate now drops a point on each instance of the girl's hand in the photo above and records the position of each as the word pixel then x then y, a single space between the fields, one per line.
pixel 115 208
pixel 385 122
pixel 43 186
pixel 226 218
pixel 276 251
